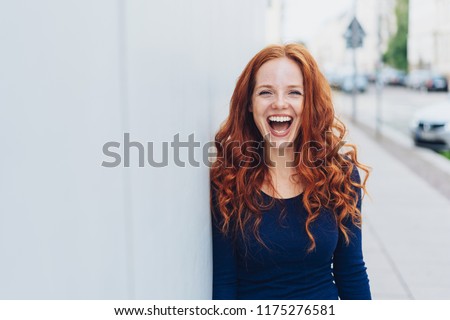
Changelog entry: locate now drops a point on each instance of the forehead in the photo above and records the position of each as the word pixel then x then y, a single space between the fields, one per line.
pixel 280 71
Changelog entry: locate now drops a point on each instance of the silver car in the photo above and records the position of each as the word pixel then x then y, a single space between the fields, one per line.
pixel 431 127
pixel 348 82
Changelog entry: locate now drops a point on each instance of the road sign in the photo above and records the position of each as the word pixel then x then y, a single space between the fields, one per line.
pixel 354 35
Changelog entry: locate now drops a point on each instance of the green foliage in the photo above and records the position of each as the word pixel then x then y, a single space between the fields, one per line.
pixel 445 154
pixel 396 54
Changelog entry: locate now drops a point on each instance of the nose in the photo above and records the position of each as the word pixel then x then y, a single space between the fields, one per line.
pixel 280 102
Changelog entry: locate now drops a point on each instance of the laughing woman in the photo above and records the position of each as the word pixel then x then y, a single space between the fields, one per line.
pixel 286 203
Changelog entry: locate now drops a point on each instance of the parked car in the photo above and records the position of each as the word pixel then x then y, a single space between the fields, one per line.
pixel 426 80
pixel 431 126
pixel 437 83
pixel 348 83
pixel 371 77
pixel 393 77
pixel 334 79
pixel 416 78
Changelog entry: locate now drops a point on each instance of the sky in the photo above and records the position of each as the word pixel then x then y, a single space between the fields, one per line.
pixel 303 17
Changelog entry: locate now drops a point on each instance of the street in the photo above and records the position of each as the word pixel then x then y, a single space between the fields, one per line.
pixel 398 105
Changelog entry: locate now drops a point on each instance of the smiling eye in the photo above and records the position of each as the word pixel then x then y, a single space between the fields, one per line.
pixel 264 93
pixel 296 92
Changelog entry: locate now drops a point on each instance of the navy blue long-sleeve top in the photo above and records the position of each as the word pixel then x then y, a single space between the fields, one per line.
pixel 285 270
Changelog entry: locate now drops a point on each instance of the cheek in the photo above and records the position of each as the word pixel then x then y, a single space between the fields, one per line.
pixel 257 111
pixel 299 108
pixel 259 121
pixel 259 118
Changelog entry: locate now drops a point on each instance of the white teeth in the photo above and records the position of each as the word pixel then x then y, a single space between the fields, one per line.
pixel 280 119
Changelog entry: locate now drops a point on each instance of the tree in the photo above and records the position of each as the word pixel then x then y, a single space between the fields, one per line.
pixel 396 53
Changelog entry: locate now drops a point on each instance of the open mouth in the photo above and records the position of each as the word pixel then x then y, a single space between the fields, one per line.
pixel 279 125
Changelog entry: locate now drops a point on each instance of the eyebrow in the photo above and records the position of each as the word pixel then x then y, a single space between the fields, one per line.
pixel 270 86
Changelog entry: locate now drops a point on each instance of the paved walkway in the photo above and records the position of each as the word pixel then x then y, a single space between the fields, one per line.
pixel 406 227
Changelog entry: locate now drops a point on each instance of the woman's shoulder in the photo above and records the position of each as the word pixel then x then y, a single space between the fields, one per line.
pixel 354 175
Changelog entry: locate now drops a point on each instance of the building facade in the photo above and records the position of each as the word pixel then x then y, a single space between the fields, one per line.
pixel 378 21
pixel 429 35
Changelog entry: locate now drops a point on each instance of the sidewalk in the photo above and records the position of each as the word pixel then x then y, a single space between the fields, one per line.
pixel 406 227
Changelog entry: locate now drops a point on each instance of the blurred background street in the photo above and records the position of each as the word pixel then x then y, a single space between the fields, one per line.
pixel 77 74
pixel 399 105
pixel 406 220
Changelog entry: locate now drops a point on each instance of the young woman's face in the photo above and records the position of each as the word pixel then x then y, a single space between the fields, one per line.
pixel 277 101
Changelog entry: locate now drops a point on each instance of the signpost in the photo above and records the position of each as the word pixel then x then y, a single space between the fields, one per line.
pixel 379 82
pixel 354 37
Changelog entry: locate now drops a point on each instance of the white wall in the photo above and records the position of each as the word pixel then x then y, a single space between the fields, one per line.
pixel 77 74
pixel 429 35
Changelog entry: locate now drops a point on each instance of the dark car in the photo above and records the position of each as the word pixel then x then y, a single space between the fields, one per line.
pixel 436 83
pixel 426 80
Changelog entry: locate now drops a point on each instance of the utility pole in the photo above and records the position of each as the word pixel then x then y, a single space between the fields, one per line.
pixel 354 39
pixel 379 81
pixel 354 36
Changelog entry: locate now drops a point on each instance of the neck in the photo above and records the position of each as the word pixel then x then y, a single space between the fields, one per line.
pixel 280 160
pixel 284 181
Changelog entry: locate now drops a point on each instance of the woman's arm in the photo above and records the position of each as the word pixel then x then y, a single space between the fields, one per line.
pixel 224 263
pixel 348 264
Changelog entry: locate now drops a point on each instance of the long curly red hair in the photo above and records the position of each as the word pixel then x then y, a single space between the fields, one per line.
pixel 238 173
